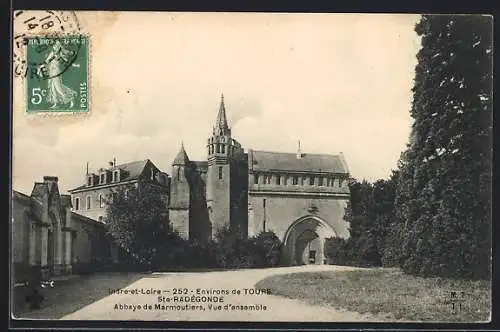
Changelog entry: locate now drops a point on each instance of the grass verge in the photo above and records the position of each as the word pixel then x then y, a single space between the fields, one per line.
pixel 386 291
pixel 71 295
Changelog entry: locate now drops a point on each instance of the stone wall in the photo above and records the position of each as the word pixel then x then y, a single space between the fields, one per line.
pixel 282 211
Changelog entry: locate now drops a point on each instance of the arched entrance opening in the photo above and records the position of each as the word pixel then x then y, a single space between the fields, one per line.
pixel 304 240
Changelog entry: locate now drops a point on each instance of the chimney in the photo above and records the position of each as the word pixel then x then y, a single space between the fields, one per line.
pixel 299 152
pixel 50 181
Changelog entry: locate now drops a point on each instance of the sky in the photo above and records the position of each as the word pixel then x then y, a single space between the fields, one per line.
pixel 336 82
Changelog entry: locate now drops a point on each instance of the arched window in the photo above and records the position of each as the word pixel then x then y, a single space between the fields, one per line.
pixel 89 203
pixel 101 201
pixel 77 203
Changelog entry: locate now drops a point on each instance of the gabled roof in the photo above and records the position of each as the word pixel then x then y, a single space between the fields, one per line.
pixel 40 189
pixel 280 161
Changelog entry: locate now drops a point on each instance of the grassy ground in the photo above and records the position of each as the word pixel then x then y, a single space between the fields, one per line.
pixel 71 295
pixel 389 293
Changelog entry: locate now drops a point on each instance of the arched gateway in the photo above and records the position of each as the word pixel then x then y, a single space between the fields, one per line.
pixel 304 240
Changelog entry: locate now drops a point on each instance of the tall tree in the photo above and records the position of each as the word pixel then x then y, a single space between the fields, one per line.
pixel 443 192
pixel 137 218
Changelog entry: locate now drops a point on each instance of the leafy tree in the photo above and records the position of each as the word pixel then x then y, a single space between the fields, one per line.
pixel 374 239
pixel 268 248
pixel 443 194
pixel 137 219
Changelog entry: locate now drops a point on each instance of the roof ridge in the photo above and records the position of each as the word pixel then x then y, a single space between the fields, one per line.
pixel 294 153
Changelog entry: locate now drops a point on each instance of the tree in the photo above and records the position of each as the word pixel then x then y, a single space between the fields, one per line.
pixel 137 218
pixel 268 248
pixel 443 194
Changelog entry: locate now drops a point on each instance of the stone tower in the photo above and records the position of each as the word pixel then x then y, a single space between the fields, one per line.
pixel 180 194
pixel 225 156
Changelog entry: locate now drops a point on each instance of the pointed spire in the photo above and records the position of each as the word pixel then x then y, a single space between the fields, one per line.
pixel 181 159
pixel 221 125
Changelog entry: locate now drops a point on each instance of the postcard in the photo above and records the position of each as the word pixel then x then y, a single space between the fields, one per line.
pixel 253 167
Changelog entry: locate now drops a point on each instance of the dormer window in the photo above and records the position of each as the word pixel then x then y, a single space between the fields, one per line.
pixel 116 175
pixel 102 178
pixel 90 180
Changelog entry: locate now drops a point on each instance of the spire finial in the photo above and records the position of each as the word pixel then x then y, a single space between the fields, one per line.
pixel 221 127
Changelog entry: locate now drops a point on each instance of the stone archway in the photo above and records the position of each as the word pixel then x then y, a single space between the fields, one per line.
pixel 304 240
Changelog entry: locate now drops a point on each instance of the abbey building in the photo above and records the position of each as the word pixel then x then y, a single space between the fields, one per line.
pixel 299 196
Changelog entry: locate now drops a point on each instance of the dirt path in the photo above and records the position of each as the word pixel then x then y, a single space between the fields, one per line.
pixel 265 307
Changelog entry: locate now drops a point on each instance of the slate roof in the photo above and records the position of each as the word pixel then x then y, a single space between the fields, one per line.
pixel 201 165
pixel 181 158
pixel 21 197
pixel 85 219
pixel 280 161
pixel 132 171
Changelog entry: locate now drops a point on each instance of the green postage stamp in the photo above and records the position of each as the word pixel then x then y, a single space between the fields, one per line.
pixel 57 77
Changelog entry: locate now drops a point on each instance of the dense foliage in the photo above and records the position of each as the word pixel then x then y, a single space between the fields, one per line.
pixel 433 216
pixel 444 189
pixel 235 251
pixel 136 217
pixel 370 212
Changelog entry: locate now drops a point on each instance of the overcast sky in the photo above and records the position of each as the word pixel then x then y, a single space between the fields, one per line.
pixel 335 82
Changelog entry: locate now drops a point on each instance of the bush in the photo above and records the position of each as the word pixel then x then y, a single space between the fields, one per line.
pixel 336 251
pixel 235 251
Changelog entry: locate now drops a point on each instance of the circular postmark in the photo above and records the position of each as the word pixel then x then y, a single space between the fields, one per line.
pixel 46 35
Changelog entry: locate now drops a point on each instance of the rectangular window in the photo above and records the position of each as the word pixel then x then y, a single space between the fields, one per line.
pixel 77 203
pixel 220 173
pixel 88 203
pixel 255 179
pixel 101 201
pixel 103 178
pixel 295 180
pixel 278 179
pixel 89 181
pixel 311 181
pixel 320 181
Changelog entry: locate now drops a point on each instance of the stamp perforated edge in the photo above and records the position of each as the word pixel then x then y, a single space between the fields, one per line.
pixel 51 113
